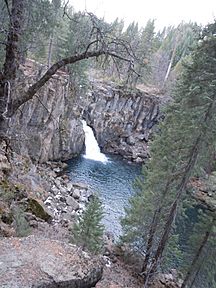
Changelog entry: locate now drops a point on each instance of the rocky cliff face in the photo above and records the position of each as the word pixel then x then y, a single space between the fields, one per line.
pixel 122 119
pixel 49 126
pixel 46 128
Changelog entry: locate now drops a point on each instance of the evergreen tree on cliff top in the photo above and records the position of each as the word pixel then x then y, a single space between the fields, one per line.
pixel 182 149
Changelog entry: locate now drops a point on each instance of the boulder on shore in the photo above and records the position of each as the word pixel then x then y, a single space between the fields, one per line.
pixel 44 263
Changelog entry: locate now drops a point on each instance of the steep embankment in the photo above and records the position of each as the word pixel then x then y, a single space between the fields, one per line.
pixel 122 119
pixel 46 128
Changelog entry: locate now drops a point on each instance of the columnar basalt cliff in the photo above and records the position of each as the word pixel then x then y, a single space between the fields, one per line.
pixel 122 119
pixel 49 127
pixel 46 128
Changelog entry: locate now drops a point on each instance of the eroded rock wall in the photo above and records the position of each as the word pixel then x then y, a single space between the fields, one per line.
pixel 45 128
pixel 122 119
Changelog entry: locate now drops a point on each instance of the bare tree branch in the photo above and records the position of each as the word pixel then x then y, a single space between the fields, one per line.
pixel 53 69
pixel 65 13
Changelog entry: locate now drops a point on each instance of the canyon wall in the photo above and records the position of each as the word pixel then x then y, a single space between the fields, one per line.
pixel 122 119
pixel 49 126
pixel 46 127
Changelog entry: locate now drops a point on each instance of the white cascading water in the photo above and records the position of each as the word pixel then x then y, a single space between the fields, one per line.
pixel 92 148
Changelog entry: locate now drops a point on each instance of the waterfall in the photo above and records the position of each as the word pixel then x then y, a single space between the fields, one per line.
pixel 91 145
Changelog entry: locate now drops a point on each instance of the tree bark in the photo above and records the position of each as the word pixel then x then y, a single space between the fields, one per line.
pixel 11 63
pixel 12 56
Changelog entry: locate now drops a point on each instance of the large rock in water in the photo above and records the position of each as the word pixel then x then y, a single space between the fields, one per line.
pixel 44 263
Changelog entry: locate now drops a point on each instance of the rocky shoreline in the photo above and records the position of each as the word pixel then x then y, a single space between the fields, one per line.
pixel 65 198
pixel 41 192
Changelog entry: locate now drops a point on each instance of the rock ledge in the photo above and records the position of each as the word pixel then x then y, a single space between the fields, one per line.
pixel 44 263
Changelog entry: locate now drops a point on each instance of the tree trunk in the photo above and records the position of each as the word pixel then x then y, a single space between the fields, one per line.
pixel 12 57
pixel 153 227
pixel 197 256
pixel 150 242
pixel 11 63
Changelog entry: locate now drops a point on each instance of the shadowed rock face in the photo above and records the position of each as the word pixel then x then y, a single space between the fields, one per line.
pixel 122 119
pixel 43 263
pixel 45 128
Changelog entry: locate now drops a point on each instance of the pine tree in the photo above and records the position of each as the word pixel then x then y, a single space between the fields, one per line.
pixel 181 150
pixel 88 230
pixel 145 50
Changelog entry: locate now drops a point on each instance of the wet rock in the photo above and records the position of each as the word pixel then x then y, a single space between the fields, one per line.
pixel 65 178
pixel 63 191
pixel 35 262
pixel 55 190
pixel 57 170
pixel 60 197
pixel 58 182
pixel 131 140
